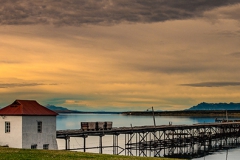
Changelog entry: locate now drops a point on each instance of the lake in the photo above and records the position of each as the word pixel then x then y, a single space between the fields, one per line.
pixel 72 121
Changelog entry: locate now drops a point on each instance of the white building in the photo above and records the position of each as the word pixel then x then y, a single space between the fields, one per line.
pixel 27 124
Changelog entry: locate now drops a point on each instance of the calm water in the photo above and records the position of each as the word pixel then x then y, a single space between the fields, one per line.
pixel 72 121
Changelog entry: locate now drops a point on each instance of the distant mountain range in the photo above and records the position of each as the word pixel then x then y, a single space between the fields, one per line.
pixel 58 109
pixel 216 106
pixel 65 110
pixel 202 106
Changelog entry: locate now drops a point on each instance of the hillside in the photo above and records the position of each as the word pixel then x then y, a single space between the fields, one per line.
pixel 216 106
pixel 200 109
pixel 59 109
pixel 65 110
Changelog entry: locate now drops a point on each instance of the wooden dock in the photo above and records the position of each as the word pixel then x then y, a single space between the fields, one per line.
pixel 163 140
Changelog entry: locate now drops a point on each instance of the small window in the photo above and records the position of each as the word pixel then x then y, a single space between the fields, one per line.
pixel 45 146
pixel 39 127
pixel 7 127
pixel 33 146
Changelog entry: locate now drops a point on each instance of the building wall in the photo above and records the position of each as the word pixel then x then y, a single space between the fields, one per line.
pixel 12 139
pixel 30 133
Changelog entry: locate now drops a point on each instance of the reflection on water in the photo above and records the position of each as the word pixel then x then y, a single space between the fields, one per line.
pixel 72 121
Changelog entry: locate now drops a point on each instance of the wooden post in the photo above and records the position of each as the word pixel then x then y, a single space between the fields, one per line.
pixel 117 144
pixel 67 142
pixel 114 144
pixel 226 116
pixel 100 144
pixel 84 143
pixel 154 122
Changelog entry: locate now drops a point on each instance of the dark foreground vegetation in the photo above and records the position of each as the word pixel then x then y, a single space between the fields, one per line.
pixel 27 154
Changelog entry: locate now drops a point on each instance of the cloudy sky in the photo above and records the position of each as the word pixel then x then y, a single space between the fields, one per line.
pixel 120 54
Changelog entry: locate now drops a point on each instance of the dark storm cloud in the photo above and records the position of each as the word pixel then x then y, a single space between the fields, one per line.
pixel 212 84
pixel 11 85
pixel 78 12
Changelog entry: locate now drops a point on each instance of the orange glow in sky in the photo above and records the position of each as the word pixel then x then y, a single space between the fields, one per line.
pixel 71 57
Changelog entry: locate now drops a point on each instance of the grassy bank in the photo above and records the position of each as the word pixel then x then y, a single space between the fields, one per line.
pixel 27 154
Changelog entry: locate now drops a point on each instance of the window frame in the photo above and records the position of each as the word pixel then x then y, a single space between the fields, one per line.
pixel 7 127
pixel 34 146
pixel 46 146
pixel 39 126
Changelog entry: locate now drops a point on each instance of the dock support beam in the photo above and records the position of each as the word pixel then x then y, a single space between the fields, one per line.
pixel 100 144
pixel 67 143
pixel 84 143
pixel 115 144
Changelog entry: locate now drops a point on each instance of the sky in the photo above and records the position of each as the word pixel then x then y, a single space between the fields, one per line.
pixel 120 55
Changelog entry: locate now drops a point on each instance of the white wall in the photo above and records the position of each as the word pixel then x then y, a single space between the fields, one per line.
pixel 23 131
pixel 31 136
pixel 14 138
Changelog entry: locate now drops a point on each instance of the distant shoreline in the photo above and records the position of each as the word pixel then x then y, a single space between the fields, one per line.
pixel 189 113
pixel 201 110
pixel 82 112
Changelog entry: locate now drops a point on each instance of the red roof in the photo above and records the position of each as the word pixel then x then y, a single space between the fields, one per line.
pixel 26 107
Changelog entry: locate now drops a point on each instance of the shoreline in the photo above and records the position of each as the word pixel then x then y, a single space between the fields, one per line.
pixel 188 113
pixel 184 113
